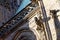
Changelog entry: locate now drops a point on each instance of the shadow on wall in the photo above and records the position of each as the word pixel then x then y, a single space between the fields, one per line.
pixel 56 22
pixel 26 33
pixel 23 33
pixel 55 17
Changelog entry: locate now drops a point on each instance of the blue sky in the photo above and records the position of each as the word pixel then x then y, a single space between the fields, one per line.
pixel 23 5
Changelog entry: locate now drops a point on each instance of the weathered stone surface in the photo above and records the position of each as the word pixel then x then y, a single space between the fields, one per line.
pixel 52 5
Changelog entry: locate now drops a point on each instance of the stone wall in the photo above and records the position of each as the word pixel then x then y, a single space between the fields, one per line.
pixel 52 5
pixel 5 15
pixel 8 9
